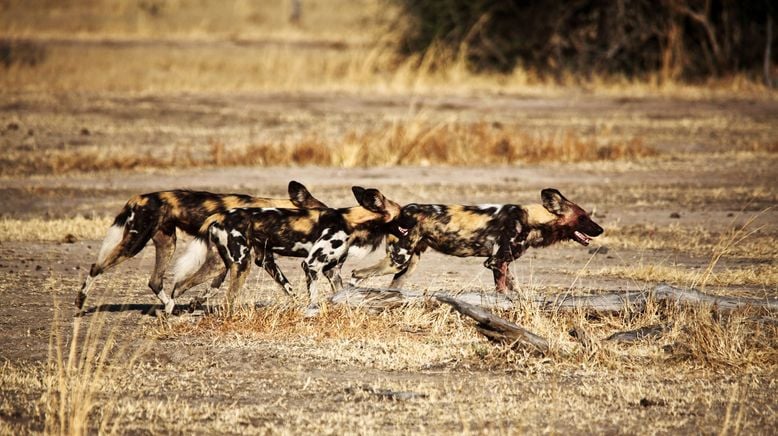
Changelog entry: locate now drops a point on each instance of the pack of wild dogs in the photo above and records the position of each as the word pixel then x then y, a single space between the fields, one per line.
pixel 233 230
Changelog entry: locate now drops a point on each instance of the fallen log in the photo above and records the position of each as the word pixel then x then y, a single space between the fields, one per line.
pixel 647 332
pixel 494 327
pixel 613 301
pixel 636 301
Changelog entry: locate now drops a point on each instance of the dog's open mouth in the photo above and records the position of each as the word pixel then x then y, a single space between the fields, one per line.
pixel 403 230
pixel 581 238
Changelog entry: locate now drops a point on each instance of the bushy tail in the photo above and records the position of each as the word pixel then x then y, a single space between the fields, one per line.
pixel 192 260
pixel 196 252
pixel 215 218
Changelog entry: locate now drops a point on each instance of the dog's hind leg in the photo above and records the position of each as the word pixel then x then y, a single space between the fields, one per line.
pixel 165 245
pixel 324 256
pixel 238 274
pixel 266 260
pixel 206 295
pixel 212 269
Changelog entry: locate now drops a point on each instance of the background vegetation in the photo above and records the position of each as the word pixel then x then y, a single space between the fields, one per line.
pixel 675 39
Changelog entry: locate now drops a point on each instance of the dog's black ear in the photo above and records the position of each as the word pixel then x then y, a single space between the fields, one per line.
pixel 553 201
pixel 370 199
pixel 301 197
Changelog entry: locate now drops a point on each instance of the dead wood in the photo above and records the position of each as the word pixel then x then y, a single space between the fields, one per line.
pixel 494 327
pixel 647 332
pixel 635 301
pixel 614 301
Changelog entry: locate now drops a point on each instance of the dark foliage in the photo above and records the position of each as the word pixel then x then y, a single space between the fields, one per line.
pixel 686 39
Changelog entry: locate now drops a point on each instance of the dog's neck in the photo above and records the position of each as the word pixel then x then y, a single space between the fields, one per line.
pixel 355 216
pixel 542 231
pixel 538 215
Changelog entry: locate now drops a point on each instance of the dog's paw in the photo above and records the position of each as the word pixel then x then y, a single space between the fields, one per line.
pixel 312 311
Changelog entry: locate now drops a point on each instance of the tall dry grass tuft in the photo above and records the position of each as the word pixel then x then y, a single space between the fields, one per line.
pixel 81 371
pixel 418 141
pixel 422 142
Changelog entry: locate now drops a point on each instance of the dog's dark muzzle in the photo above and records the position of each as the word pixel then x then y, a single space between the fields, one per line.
pixel 585 233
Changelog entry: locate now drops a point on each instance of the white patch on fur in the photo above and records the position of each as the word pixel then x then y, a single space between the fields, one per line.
pixel 299 247
pixel 112 239
pixel 236 233
pixel 537 214
pixel 497 207
pixel 220 234
pixel 192 260
pixel 244 250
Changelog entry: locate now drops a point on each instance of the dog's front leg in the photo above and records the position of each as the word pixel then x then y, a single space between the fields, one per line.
pixel 333 276
pixel 503 279
pixel 500 263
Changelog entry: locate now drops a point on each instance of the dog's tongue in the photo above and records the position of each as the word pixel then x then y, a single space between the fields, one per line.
pixel 581 238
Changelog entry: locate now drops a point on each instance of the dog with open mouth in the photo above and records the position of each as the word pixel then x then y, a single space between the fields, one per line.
pixel 499 232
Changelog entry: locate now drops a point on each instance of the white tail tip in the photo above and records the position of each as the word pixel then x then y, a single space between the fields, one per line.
pixel 192 260
pixel 112 239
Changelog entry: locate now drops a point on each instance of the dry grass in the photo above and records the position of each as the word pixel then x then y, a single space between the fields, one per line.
pixel 165 47
pixel 80 376
pixel 414 142
pixel 424 337
pixel 58 230
pixel 743 241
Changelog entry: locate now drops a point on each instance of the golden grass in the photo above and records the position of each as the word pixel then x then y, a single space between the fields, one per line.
pixel 414 142
pixel 77 398
pixel 423 337
pixel 37 229
pixel 173 47
pixel 655 272
pixel 270 370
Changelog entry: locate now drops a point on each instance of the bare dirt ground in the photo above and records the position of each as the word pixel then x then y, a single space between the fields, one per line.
pixel 664 218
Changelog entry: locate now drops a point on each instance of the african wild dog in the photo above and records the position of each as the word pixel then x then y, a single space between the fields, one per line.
pixel 155 216
pixel 323 237
pixel 501 233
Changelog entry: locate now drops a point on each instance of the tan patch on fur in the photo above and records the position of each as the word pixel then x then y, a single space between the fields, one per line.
pixel 359 215
pixel 465 220
pixel 217 217
pixel 210 205
pixel 138 200
pixel 534 237
pixel 304 224
pixel 172 201
pixel 537 214
pixel 282 203
pixel 392 209
pixel 231 202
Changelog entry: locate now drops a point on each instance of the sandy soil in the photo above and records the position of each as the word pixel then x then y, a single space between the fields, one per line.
pixel 201 384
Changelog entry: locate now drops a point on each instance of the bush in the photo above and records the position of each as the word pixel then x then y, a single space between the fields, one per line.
pixel 686 39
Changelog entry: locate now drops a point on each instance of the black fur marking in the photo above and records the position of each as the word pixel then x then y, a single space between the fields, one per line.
pixel 336 243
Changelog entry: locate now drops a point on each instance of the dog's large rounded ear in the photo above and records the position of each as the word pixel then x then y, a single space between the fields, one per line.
pixel 553 201
pixel 301 197
pixel 370 199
